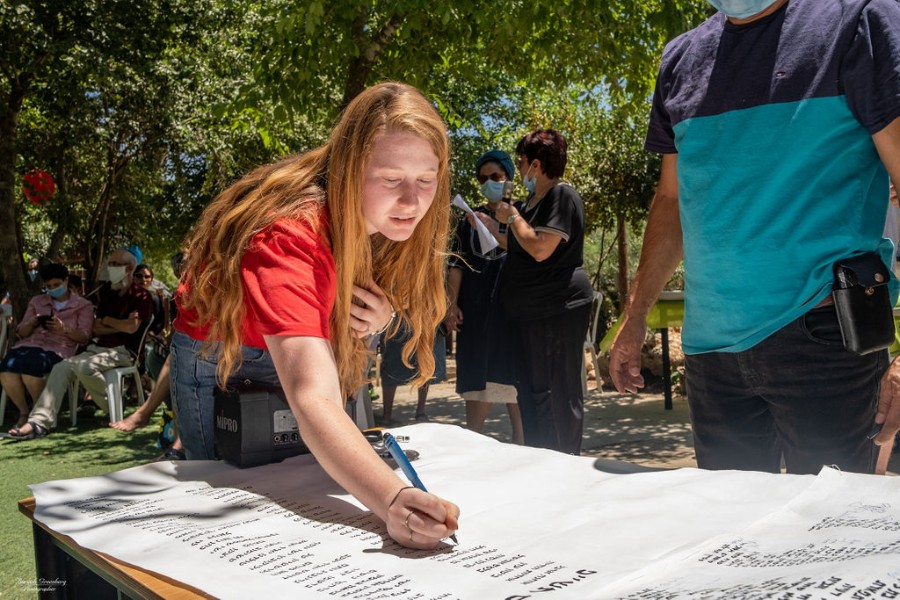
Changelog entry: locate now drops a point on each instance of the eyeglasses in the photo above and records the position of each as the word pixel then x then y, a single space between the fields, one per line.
pixel 143 276
pixel 493 177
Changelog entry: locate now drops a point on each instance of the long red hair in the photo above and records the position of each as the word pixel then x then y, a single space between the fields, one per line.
pixel 410 272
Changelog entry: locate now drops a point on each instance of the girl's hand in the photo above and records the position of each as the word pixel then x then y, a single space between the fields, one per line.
pixel 375 313
pixel 417 519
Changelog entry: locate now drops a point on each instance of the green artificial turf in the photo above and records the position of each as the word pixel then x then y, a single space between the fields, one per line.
pixel 90 448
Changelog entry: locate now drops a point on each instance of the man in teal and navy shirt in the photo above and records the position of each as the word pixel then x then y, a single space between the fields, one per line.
pixel 778 123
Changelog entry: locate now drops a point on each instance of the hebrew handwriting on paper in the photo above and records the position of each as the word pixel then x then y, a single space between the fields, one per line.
pixel 241 542
pixel 794 553
pixel 289 529
pixel 780 588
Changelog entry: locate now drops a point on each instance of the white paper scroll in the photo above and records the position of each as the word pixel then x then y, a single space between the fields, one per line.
pixel 487 239
pixel 534 524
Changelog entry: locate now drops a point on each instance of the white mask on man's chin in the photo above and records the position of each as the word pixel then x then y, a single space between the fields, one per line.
pixel 741 9
pixel 117 277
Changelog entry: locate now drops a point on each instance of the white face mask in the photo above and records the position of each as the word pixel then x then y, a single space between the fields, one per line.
pixel 116 275
pixel 530 183
pixel 492 190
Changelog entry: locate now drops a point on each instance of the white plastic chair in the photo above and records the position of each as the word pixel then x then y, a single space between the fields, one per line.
pixel 115 377
pixel 590 346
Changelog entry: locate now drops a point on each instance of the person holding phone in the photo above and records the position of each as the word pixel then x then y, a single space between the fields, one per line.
pixel 54 325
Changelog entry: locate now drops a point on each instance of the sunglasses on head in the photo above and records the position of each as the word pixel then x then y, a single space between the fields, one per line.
pixel 492 177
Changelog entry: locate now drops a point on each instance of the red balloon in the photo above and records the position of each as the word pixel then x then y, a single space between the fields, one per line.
pixel 38 186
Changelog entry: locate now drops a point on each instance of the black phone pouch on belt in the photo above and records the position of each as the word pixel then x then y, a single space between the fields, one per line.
pixel 863 304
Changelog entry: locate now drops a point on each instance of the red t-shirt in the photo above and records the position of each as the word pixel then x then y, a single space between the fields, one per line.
pixel 288 277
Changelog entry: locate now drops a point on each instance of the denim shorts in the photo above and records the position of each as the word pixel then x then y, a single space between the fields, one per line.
pixel 28 360
pixel 193 383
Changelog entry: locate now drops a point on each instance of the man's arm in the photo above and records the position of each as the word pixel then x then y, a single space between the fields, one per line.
pixel 107 325
pixel 887 141
pixel 660 255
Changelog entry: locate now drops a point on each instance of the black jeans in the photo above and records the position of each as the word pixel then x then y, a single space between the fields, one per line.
pixel 549 356
pixel 797 394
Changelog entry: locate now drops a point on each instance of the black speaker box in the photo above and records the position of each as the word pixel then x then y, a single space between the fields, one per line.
pixel 255 426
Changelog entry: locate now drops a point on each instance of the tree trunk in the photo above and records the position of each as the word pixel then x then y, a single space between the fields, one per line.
pixel 62 188
pixel 56 240
pixel 369 50
pixel 622 283
pixel 10 252
pixel 95 245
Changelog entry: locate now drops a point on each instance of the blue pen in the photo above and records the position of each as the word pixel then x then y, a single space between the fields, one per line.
pixel 397 453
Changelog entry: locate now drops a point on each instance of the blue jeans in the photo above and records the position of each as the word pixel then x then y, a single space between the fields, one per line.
pixel 797 394
pixel 193 382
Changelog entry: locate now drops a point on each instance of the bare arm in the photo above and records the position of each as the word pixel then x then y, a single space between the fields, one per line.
pixel 887 141
pixel 660 255
pixel 314 395
pixel 538 244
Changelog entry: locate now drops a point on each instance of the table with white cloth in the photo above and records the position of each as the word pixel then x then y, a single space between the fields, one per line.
pixel 534 524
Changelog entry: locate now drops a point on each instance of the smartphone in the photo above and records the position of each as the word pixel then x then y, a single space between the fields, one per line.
pixel 42 320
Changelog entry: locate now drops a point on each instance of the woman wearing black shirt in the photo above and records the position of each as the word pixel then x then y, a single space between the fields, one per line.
pixel 546 293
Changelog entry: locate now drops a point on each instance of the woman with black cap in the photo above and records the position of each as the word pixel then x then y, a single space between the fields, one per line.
pixel 485 370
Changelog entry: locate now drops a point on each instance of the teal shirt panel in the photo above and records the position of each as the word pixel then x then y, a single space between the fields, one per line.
pixel 758 255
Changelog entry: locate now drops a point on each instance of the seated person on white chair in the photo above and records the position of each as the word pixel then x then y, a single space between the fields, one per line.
pixel 54 325
pixel 123 310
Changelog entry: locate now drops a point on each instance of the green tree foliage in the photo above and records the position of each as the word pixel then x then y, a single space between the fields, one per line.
pixel 321 54
pixel 607 162
pixel 91 83
pixel 114 100
pixel 144 111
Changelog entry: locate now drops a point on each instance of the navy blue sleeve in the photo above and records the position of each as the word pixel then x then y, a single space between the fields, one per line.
pixel 870 74
pixel 660 134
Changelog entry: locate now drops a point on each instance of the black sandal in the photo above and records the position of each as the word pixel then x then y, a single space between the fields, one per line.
pixel 37 432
